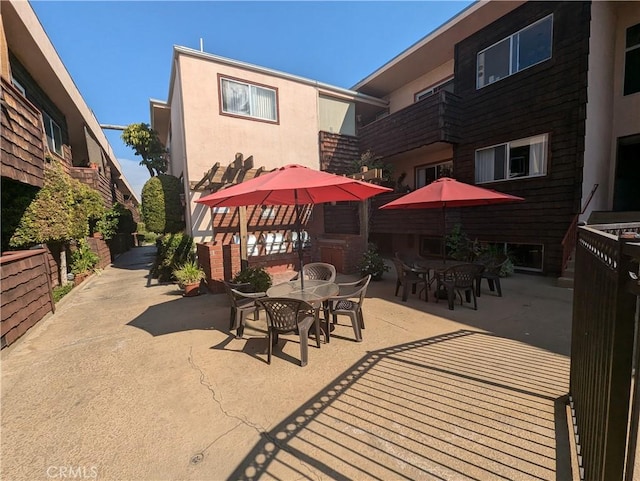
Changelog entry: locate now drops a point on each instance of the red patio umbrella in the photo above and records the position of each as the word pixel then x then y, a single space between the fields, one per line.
pixel 446 192
pixel 293 185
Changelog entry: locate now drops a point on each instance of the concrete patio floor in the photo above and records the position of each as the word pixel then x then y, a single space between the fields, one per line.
pixel 130 381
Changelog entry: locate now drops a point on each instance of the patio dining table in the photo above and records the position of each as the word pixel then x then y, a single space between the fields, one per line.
pixel 314 292
pixel 430 269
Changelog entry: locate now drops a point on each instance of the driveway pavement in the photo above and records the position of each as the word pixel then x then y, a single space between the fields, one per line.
pixel 128 380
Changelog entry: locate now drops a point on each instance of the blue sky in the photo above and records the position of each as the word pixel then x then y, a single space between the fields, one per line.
pixel 119 53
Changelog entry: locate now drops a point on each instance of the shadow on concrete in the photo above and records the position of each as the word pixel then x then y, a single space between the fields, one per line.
pixel 182 314
pixel 464 405
pixel 136 258
pixel 257 347
pixel 532 310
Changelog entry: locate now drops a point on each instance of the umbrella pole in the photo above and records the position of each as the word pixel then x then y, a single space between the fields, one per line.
pixel 299 241
pixel 444 237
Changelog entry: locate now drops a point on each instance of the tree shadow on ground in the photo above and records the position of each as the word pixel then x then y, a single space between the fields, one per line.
pixel 464 405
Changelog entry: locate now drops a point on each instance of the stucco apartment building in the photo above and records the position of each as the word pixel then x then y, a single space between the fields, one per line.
pixel 535 99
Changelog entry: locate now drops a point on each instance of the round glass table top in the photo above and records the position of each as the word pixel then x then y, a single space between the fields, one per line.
pixel 314 290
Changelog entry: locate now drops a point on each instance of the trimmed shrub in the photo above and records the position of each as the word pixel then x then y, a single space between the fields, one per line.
pixel 174 250
pixel 61 211
pixel 161 207
pixel 16 198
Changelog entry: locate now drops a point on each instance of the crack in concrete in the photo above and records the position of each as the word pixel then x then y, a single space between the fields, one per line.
pixel 242 420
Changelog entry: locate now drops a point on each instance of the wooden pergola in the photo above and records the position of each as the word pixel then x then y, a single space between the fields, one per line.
pixel 218 177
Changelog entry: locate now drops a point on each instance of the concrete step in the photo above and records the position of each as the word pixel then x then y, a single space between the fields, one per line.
pixel 565 282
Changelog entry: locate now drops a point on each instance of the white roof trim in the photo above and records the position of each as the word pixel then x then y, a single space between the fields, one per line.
pixel 326 89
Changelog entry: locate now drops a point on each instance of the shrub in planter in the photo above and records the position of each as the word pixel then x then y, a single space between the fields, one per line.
pixel 258 277
pixel 83 259
pixel 372 263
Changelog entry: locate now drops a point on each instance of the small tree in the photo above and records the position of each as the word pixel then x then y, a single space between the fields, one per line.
pixel 60 212
pixel 161 207
pixel 146 143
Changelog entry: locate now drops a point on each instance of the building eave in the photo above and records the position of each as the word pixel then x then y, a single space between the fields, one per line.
pixel 324 88
pixel 435 48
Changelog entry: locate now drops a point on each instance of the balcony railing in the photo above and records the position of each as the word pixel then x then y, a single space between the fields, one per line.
pixel 433 119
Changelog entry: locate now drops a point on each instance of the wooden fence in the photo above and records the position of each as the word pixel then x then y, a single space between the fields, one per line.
pixel 26 292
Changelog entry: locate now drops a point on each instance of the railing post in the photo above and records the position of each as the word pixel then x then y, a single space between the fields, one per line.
pixel 620 370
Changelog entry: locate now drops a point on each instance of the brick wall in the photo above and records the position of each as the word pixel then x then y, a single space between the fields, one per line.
pixel 100 247
pixel 219 262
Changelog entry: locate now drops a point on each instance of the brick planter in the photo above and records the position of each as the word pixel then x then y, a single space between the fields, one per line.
pixel 219 262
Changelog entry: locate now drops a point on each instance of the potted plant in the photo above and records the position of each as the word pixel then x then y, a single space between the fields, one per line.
pixel 372 263
pixel 189 275
pixel 258 277
pixel 83 261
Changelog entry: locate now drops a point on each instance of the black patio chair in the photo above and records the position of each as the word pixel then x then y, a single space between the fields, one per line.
pixel 460 279
pixel 242 303
pixel 349 302
pixel 492 267
pixel 286 315
pixel 406 277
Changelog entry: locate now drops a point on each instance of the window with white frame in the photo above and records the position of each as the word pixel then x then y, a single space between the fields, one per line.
pixel 248 100
pixel 53 133
pixel 515 159
pixel 523 49
pixel 632 60
pixel 444 85
pixel 427 174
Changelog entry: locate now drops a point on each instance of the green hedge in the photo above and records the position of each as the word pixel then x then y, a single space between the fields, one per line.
pixel 173 250
pixel 162 209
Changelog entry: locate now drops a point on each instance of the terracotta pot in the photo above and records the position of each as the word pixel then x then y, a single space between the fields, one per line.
pixel 191 290
pixel 78 278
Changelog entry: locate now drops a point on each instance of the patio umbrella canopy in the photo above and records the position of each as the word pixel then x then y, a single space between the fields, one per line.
pixel 293 185
pixel 446 192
